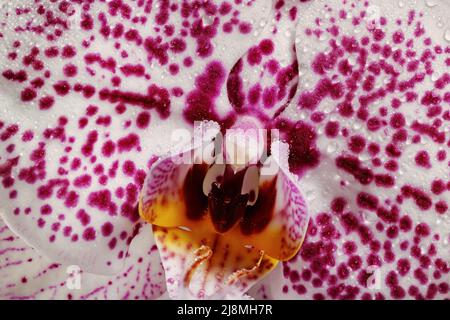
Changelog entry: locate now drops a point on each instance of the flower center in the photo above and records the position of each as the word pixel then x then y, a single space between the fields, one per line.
pixel 229 189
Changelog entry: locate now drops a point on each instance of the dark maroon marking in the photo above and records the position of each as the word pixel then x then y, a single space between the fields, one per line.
pixel 156 98
pixel 423 159
pixel 28 94
pixel 357 144
pixel 129 142
pixel 196 201
pixel 332 129
pixel 89 234
pixel 353 166
pixel 301 137
pixel 107 229
pixel 46 102
pixel 102 201
pixel 421 199
pixel 226 204
pixel 225 211
pixel 200 102
pixel 367 201
pixel 19 76
pixel 234 87
pixel 258 216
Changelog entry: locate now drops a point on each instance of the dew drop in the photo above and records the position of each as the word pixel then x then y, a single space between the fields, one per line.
pixel 435 76
pixel 351 60
pixel 262 22
pixel 447 35
pixel 357 126
pixel 331 148
pixel 322 37
pixel 431 3
pixel 310 195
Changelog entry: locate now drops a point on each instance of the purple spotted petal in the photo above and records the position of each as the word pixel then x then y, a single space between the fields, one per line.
pixel 26 274
pixel 291 212
pixel 89 94
pixel 375 98
pixel 265 79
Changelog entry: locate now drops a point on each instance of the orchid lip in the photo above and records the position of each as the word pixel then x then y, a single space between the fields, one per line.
pixel 228 188
pixel 242 208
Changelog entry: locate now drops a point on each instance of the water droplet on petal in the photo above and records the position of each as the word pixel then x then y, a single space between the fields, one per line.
pixel 447 35
pixel 357 126
pixel 435 76
pixel 310 195
pixel 322 37
pixel 262 22
pixel 331 148
pixel 431 3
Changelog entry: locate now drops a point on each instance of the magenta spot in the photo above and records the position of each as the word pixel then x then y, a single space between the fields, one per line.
pixel 423 159
pixel 421 199
pixel 128 143
pixel 301 137
pixel 254 94
pixel 129 168
pixel 397 121
pixel 254 56
pixel 102 201
pixel 107 229
pixel 133 70
pixel 156 50
pixel 46 209
pixel 46 102
pixel 83 181
pixel 89 234
pixel 71 199
pixel 357 144
pixel 177 45
pixel 108 148
pixel 422 230
pixel 332 129
pixel 68 52
pixel 70 70
pixel 269 97
pixel 157 98
pixel 199 102
pixel 28 94
pixel 398 37
pixel 353 166
pixel 143 120
pixel 88 147
pixel 83 217
pixel 235 93
pixel 62 88
pixel 367 201
pixel 266 46
pixel 87 22
pixel 338 205
pixel 245 27
pixel 441 207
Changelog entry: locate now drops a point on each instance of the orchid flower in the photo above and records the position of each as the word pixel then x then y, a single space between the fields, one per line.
pixel 346 198
pixel 223 220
